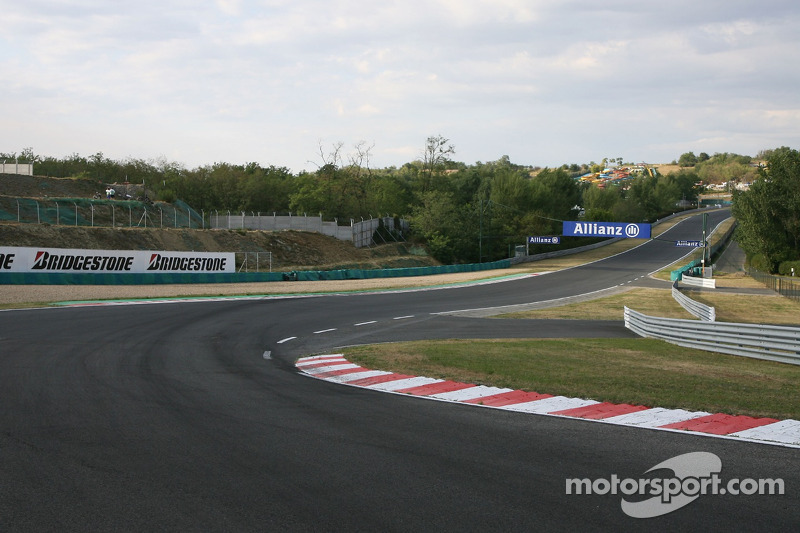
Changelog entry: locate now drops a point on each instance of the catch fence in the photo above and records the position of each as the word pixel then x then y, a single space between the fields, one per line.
pixel 99 213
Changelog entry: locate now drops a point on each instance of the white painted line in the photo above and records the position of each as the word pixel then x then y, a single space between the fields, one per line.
pixel 330 368
pixel 403 317
pixel 480 391
pixel 317 359
pixel 267 355
pixel 287 339
pixel 549 405
pixel 655 417
pixel 324 331
pixel 785 431
pixel 365 323
pixel 346 378
pixel 403 383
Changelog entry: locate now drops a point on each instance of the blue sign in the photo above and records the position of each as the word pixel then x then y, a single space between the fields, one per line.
pixel 691 244
pixel 544 240
pixel 606 229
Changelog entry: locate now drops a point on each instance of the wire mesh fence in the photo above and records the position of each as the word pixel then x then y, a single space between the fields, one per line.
pixel 254 261
pixel 100 213
pixel 784 286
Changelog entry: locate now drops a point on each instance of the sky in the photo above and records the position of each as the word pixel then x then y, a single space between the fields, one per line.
pixel 284 82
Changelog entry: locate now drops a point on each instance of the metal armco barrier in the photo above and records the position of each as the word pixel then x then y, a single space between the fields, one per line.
pixel 706 283
pixel 701 311
pixel 771 343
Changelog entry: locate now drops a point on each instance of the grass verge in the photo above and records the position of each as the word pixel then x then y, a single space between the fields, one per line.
pixel 754 309
pixel 637 371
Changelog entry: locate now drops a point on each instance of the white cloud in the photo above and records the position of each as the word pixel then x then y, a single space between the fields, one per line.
pixel 545 82
pixel 230 7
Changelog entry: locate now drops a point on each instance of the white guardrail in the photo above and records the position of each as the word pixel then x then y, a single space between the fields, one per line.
pixel 701 311
pixel 707 283
pixel 771 343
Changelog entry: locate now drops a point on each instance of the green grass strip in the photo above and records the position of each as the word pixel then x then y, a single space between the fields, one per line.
pixel 636 371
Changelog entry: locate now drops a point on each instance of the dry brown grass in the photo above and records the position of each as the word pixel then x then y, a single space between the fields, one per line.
pixel 761 309
pixel 654 302
pixel 668 169
pixel 753 309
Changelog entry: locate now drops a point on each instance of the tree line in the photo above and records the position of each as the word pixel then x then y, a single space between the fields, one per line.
pixel 768 214
pixel 462 212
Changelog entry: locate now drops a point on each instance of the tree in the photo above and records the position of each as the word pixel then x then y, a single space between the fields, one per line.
pixel 437 152
pixel 687 160
pixel 768 214
pixel 447 228
pixel 599 203
pixel 554 192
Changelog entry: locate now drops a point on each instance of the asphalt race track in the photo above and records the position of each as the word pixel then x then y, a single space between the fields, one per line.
pixel 191 417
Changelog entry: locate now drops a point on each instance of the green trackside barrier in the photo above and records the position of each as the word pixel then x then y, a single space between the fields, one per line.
pixel 677 275
pixel 52 278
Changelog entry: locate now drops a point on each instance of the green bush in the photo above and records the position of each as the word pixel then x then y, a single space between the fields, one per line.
pixel 759 262
pixel 785 268
pixel 167 195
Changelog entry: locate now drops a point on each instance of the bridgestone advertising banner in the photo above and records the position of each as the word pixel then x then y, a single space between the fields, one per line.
pixel 60 260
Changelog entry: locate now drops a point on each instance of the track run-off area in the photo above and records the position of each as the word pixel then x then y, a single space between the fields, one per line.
pixel 192 415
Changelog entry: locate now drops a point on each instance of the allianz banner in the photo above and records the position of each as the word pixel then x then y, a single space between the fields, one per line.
pixel 22 259
pixel 627 230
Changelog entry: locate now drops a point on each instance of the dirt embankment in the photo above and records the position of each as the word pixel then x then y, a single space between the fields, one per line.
pixel 291 250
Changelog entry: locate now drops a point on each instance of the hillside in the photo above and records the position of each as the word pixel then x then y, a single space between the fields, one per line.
pixel 291 250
